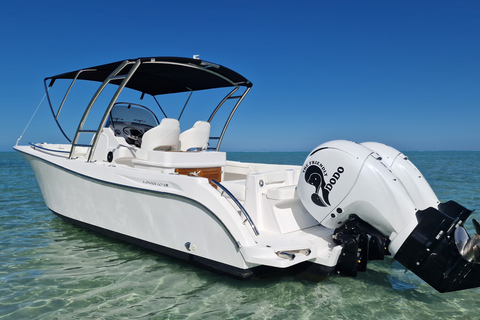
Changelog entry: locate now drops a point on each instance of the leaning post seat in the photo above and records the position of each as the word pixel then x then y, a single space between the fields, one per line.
pixel 162 137
pixel 196 137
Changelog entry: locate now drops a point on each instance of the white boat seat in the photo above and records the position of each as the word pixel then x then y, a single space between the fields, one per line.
pixel 162 137
pixel 196 137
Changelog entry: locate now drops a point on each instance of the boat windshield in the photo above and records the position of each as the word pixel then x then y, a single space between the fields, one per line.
pixel 131 113
pixel 131 121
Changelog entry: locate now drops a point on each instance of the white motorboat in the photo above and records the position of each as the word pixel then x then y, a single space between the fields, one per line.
pixel 127 174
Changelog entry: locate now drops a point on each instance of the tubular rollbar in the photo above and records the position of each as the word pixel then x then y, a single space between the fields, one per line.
pixel 110 106
pixel 90 105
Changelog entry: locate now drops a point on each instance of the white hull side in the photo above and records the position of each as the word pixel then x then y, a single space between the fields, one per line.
pixel 179 215
pixel 168 220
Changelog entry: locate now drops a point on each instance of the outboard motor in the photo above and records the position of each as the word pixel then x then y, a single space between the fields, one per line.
pixel 379 203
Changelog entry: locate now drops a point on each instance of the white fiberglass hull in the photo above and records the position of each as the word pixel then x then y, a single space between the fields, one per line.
pixel 177 215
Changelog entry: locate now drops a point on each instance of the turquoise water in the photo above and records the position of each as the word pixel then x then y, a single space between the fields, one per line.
pixel 50 269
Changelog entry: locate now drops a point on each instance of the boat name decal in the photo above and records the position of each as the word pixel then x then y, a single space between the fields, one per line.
pixel 317 176
pixel 154 183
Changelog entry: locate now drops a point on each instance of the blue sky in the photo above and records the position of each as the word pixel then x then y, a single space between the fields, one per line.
pixel 404 73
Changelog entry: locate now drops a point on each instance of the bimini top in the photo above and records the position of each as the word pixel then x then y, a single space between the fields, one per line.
pixel 162 75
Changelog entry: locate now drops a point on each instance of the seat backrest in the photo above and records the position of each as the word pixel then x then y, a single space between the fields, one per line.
pixel 162 137
pixel 196 137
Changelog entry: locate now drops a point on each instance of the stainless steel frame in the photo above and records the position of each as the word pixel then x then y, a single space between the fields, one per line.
pixel 239 205
pixel 205 66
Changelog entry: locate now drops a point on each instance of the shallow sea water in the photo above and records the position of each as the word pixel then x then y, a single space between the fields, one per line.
pixel 50 269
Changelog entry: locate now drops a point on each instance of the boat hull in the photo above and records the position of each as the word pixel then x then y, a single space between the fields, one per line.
pixel 197 229
pixel 153 218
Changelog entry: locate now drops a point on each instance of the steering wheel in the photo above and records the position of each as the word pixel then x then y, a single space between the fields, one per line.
pixel 133 133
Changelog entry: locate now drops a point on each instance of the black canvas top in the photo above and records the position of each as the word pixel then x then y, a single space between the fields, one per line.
pixel 168 75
